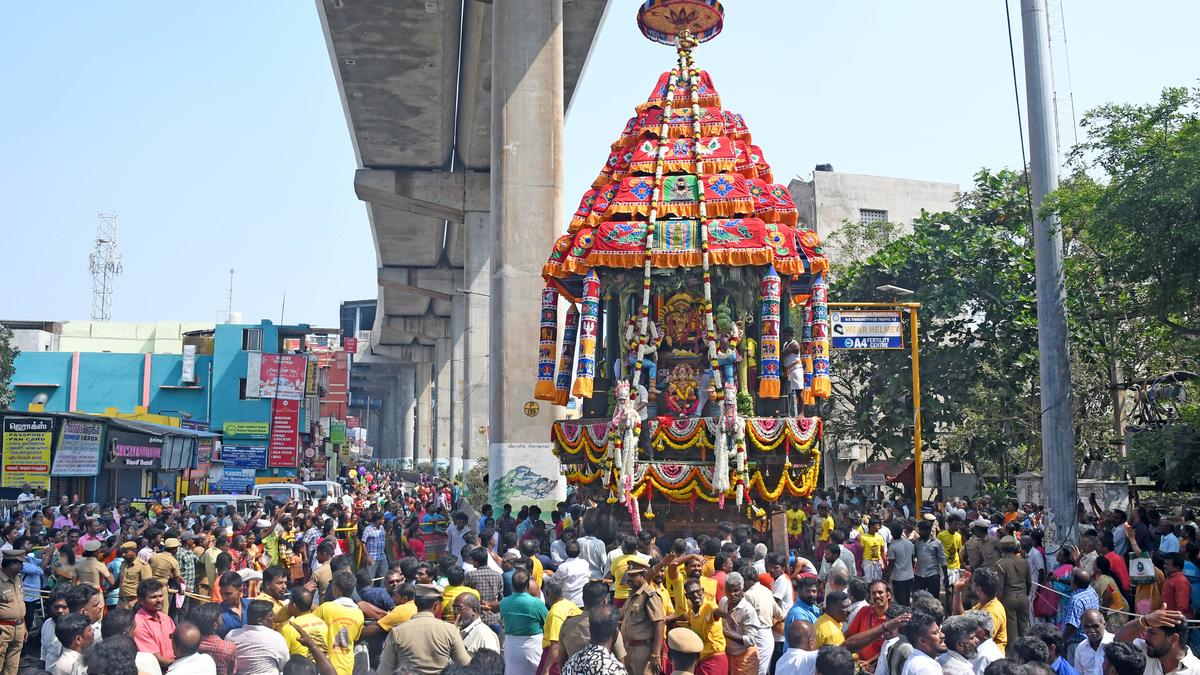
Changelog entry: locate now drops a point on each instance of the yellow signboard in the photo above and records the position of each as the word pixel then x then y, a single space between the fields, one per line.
pixel 27 452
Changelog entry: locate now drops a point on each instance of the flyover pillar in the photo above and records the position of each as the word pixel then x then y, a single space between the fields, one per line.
pixel 476 307
pixel 443 381
pixel 458 344
pixel 407 404
pixel 424 435
pixel 527 212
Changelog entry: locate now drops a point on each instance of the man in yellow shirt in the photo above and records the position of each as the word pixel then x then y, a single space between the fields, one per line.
pixel 826 525
pixel 454 588
pixel 274 590
pixel 560 609
pixel 406 607
pixel 617 570
pixel 300 609
pixel 795 525
pixel 986 582
pixel 694 569
pixel 345 621
pixel 703 617
pixel 874 551
pixel 828 628
pixel 952 541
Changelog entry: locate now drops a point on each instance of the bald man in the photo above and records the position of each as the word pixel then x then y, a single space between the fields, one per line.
pixel 801 653
pixel 188 661
pixel 1089 655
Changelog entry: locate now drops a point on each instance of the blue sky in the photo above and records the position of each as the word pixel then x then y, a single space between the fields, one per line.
pixel 219 137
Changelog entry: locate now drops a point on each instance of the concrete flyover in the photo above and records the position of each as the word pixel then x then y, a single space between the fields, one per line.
pixel 455 108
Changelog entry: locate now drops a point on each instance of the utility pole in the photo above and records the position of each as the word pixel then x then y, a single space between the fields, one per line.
pixel 1058 435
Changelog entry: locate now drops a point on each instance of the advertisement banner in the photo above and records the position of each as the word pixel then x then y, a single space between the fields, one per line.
pixel 854 329
pixel 78 449
pixel 234 481
pixel 26 460
pixel 276 375
pixel 284 447
pixel 350 344
pixel 244 456
pixel 310 384
pixel 337 431
pixel 188 374
pixel 256 430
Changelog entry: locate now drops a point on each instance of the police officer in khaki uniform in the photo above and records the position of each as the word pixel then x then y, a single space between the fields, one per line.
pixel 165 567
pixel 12 610
pixel 683 648
pixel 89 570
pixel 643 622
pixel 133 571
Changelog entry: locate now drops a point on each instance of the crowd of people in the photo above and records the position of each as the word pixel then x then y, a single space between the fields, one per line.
pixel 396 578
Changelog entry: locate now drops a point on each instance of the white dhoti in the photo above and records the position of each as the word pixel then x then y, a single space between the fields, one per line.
pixel 872 570
pixel 522 654
pixel 765 641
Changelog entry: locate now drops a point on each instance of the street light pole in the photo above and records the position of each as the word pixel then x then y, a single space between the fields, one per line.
pixel 1058 434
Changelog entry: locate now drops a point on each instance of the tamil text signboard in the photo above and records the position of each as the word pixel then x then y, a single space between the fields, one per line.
pixel 860 329
pixel 276 375
pixel 244 456
pixel 27 452
pixel 284 447
pixel 78 449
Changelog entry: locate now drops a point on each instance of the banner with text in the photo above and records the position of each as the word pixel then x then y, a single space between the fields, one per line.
pixel 133 450
pixel 284 446
pixel 78 449
pixel 26 460
pixel 276 375
pixel 855 329
pixel 258 430
pixel 244 456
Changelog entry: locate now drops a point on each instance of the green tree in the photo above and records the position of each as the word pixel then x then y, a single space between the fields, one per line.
pixel 8 354
pixel 972 271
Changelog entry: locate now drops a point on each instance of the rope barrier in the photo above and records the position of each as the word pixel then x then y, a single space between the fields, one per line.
pixel 1106 609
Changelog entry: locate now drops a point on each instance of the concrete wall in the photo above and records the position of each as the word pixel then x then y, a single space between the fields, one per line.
pixel 160 337
pixel 35 340
pixel 832 197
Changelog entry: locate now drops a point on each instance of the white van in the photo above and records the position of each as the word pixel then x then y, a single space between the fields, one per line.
pixel 243 505
pixel 282 492
pixel 324 488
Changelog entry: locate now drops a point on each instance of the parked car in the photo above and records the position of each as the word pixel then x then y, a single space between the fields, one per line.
pixel 282 492
pixel 324 488
pixel 243 505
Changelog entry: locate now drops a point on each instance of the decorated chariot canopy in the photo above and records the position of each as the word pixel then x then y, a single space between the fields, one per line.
pixel 696 329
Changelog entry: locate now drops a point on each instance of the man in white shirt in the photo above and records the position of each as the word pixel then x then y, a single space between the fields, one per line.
pixel 959 633
pixel 1089 654
pixel 1163 638
pixel 261 650
pixel 800 657
pixel 575 572
pixel 454 534
pixel 781 590
pixel 51 647
pixel 769 613
pixel 986 652
pixel 594 552
pixel 188 661
pixel 75 633
pixel 475 635
pixel 925 635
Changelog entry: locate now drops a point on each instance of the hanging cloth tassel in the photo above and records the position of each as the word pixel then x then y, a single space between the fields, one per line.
pixel 768 345
pixel 820 337
pixel 806 350
pixel 562 383
pixel 547 341
pixel 589 302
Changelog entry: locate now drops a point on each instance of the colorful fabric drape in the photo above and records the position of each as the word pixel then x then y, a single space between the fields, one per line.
pixel 585 372
pixel 562 383
pixel 768 345
pixel 547 342
pixel 820 337
pixel 806 353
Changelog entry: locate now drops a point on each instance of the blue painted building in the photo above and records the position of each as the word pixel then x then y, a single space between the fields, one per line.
pixel 101 382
